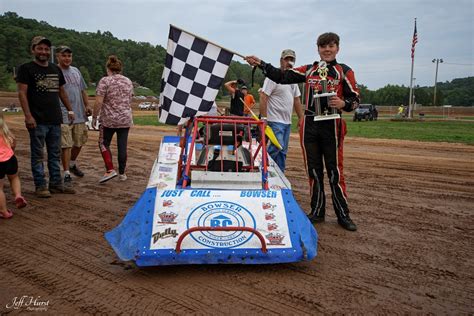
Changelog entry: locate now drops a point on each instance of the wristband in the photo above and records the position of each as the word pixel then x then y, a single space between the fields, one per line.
pixel 70 112
pixel 263 118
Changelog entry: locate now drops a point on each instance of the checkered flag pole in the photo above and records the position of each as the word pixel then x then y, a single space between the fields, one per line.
pixel 194 70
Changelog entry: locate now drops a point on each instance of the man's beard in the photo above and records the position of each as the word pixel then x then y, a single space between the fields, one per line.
pixel 41 58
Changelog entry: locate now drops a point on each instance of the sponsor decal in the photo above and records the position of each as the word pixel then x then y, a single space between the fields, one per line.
pixel 221 214
pixel 167 218
pixel 161 185
pixel 272 226
pixel 165 176
pixel 275 239
pixel 171 156
pixel 201 193
pixel 167 203
pixel 166 234
pixel 268 206
pixel 269 216
pixel 172 193
pixel 165 169
pixel 259 194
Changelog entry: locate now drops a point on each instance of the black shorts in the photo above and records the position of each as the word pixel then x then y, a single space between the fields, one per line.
pixel 8 167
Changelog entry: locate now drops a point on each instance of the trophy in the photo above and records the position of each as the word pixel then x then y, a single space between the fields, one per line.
pixel 326 112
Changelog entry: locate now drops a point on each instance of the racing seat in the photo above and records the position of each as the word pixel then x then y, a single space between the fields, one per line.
pixel 224 151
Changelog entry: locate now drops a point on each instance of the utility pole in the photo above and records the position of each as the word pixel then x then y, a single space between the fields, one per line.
pixel 437 61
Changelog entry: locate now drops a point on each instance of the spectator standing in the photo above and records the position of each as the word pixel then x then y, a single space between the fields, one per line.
pixel 40 87
pixel 8 167
pixel 249 100
pixel 276 105
pixel 113 106
pixel 236 97
pixel 73 136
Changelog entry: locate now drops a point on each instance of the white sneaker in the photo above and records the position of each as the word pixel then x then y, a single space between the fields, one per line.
pixel 108 175
pixel 122 177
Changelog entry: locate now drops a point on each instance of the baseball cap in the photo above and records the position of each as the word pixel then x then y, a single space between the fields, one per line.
pixel 40 39
pixel 63 49
pixel 244 87
pixel 288 53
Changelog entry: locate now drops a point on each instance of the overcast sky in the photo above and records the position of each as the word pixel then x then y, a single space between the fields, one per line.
pixel 375 35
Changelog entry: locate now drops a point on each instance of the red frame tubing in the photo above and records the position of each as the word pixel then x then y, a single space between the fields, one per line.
pixel 220 229
pixel 234 120
pixel 190 155
pixel 264 154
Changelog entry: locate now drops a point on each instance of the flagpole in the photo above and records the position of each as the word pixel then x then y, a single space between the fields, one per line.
pixel 206 40
pixel 410 100
pixel 410 104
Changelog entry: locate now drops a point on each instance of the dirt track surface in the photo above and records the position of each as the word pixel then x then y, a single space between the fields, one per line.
pixel 413 253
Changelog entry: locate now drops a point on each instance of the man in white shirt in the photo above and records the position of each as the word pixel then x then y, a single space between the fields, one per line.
pixel 276 106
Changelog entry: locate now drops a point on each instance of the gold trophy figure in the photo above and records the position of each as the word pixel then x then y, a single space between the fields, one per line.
pixel 326 113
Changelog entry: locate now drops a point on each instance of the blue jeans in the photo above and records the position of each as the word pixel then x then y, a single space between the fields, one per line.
pixel 51 135
pixel 282 133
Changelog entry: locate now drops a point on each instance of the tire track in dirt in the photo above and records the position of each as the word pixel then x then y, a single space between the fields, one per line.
pixel 413 203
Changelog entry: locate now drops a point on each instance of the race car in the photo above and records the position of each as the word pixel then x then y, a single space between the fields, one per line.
pixel 215 196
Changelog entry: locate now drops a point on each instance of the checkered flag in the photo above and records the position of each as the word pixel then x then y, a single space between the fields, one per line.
pixel 194 70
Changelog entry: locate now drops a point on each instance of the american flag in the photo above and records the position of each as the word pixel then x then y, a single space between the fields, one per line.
pixel 414 41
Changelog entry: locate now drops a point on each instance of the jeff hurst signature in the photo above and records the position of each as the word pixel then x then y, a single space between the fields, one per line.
pixel 28 302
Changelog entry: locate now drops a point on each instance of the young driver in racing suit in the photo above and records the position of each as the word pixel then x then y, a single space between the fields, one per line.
pixel 322 139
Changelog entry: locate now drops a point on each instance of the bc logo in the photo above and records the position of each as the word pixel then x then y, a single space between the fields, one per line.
pixel 221 221
pixel 221 214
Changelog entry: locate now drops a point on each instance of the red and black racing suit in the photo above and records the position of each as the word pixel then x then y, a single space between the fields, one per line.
pixel 322 139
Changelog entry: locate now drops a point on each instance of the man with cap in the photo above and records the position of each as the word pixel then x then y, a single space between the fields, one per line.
pixel 73 136
pixel 40 86
pixel 276 106
pixel 236 97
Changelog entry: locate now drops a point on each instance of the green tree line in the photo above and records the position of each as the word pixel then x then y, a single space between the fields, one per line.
pixel 457 92
pixel 143 63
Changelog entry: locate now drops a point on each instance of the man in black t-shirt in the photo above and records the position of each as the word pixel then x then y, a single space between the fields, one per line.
pixel 236 97
pixel 40 86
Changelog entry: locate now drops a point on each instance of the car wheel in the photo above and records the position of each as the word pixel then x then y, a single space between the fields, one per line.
pixel 354 119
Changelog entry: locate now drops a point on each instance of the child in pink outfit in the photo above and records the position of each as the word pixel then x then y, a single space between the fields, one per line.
pixel 8 167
